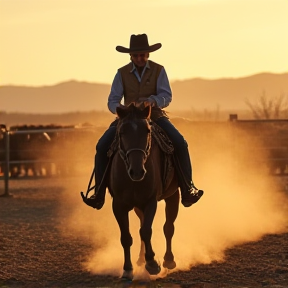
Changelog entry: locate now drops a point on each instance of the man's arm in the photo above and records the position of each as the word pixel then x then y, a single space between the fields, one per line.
pixel 164 93
pixel 116 93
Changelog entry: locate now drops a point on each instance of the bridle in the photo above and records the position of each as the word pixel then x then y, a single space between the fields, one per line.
pixel 124 154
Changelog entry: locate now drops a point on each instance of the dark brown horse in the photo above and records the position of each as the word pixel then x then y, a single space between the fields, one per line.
pixel 135 182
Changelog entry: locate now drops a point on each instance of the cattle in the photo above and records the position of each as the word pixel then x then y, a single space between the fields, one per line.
pixel 48 150
pixel 27 146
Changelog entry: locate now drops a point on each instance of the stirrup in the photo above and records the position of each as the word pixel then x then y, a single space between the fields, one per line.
pixel 92 201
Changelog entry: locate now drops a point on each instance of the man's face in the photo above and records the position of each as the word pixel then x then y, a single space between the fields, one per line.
pixel 139 59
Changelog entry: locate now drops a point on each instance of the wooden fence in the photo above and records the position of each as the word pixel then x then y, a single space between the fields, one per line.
pixel 44 152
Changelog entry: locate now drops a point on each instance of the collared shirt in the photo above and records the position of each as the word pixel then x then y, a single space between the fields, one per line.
pixel 162 98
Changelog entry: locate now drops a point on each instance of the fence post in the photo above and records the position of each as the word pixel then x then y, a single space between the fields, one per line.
pixel 7 164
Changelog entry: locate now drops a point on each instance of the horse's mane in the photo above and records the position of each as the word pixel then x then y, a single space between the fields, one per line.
pixel 132 111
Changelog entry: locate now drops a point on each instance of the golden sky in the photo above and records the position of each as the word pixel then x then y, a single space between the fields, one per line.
pixel 45 42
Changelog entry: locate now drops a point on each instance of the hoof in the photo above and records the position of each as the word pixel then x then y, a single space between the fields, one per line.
pixel 153 267
pixel 127 275
pixel 169 264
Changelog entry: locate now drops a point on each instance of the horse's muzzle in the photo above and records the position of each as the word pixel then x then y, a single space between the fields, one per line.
pixel 137 175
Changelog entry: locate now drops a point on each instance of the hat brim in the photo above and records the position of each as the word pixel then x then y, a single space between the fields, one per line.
pixel 151 48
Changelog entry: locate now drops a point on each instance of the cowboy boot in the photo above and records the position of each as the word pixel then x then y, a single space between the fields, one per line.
pixel 97 200
pixel 96 203
pixel 189 193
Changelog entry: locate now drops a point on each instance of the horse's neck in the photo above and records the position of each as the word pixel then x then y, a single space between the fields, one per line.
pixel 155 152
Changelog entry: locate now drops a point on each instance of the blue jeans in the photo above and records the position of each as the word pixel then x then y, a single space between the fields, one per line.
pixel 181 153
pixel 101 158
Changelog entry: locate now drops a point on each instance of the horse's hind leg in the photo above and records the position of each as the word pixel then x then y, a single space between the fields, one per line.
pixel 171 211
pixel 121 215
pixel 141 258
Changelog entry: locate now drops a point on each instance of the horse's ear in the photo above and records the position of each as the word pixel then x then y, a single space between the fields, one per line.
pixel 147 111
pixel 121 111
pixel 132 105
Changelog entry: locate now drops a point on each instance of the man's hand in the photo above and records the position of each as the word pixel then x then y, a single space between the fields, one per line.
pixel 143 101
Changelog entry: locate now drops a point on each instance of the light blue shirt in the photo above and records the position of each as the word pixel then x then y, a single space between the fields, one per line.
pixel 162 98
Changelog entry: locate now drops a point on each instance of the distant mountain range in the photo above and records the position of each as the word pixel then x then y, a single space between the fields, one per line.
pixel 195 93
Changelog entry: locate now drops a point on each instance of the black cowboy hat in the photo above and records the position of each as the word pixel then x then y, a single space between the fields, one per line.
pixel 139 43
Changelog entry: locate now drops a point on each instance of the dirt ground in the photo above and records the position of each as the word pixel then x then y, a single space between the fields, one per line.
pixel 35 253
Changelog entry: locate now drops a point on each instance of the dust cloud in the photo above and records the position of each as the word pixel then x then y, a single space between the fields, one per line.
pixel 241 203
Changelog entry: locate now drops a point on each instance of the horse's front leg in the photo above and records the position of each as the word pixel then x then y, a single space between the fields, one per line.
pixel 146 233
pixel 171 212
pixel 141 258
pixel 121 215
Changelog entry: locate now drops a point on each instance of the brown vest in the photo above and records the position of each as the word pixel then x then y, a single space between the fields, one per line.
pixel 147 87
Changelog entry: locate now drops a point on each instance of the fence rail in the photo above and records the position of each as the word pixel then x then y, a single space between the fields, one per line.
pixel 51 148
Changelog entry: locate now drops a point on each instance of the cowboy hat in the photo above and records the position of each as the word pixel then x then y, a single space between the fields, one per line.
pixel 139 43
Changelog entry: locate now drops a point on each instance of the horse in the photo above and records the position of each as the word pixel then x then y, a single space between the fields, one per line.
pixel 135 182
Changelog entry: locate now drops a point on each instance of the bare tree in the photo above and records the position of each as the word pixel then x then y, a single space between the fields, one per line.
pixel 269 108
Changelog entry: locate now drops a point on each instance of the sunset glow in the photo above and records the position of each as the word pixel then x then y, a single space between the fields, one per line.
pixel 47 42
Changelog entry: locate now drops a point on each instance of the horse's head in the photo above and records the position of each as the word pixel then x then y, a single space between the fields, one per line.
pixel 134 132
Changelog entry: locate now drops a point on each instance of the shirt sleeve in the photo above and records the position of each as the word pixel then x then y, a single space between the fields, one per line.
pixel 164 93
pixel 116 93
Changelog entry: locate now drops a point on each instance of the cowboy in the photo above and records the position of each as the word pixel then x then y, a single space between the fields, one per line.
pixel 143 81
